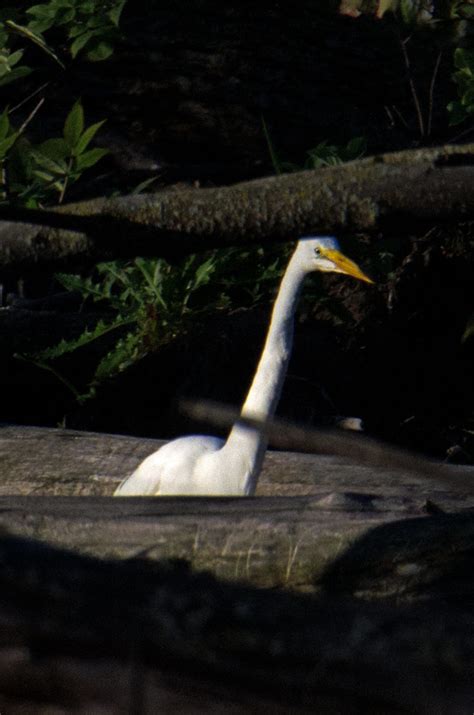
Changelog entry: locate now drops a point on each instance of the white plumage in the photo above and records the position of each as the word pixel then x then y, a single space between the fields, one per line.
pixel 202 465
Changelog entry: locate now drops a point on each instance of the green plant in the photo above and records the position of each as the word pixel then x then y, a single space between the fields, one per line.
pixel 148 302
pixel 8 59
pixel 323 154
pixel 410 12
pixel 89 27
pixel 8 137
pixel 34 175
pixel 62 161
pixel 463 107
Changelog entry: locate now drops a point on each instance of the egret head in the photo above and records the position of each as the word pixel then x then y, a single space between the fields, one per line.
pixel 323 253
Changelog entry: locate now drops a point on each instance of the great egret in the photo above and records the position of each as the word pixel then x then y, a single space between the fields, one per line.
pixel 211 466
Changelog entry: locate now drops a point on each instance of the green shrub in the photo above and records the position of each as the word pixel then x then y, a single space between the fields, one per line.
pixel 463 107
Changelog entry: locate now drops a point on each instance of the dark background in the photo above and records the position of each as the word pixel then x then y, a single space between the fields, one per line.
pixel 185 94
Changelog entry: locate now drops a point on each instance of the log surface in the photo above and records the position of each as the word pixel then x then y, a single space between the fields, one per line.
pixel 132 635
pixel 310 514
pixel 393 193
pixel 87 636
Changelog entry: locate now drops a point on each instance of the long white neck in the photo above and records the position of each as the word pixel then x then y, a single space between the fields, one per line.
pixel 248 446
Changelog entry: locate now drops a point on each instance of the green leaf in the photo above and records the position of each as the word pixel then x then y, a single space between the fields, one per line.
pixel 7 144
pixel 457 112
pixel 74 125
pixel 44 176
pixel 116 11
pixel 87 337
pixel 80 42
pixel 204 272
pixel 87 136
pixel 54 149
pixel 4 124
pixel 466 11
pixel 42 11
pixel 468 98
pixel 100 52
pixel 469 330
pixel 356 147
pixel 39 26
pixel 58 167
pixel 127 351
pixel 64 16
pixel 89 158
pixel 15 57
pixel 87 7
pixel 151 280
pixel 408 10
pixel 15 74
pixel 36 39
pixel 143 185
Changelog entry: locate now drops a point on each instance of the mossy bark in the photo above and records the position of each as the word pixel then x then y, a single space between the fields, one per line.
pixel 405 191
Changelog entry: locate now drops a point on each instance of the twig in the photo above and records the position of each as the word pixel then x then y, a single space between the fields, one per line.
pixel 461 135
pixel 27 99
pixel 414 93
pixel 66 181
pixel 31 116
pixel 431 92
pixel 400 116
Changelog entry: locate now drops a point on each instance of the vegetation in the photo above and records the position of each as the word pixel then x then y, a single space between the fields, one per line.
pixel 88 27
pixel 147 302
pixel 463 108
pixel 323 154
pixel 40 175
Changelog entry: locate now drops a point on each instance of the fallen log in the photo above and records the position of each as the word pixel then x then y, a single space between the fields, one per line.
pixel 393 193
pixel 83 635
pixel 388 627
pixel 311 514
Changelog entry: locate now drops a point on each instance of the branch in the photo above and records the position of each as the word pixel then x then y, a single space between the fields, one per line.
pixel 403 191
pixel 282 434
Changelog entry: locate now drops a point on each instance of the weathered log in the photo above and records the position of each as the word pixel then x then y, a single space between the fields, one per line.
pixel 401 191
pixel 82 635
pixel 139 636
pixel 316 511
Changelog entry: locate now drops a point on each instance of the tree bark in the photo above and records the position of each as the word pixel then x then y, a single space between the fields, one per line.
pixel 405 192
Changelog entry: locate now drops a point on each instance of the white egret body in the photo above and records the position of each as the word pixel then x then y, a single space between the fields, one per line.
pixel 202 465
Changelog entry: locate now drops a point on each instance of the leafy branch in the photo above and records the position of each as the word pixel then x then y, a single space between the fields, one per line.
pixel 33 174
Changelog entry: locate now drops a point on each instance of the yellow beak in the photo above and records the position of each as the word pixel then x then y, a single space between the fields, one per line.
pixel 345 265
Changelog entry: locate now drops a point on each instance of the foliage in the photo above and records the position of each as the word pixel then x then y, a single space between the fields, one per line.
pixel 88 27
pixel 152 302
pixel 8 137
pixel 449 20
pixel 34 175
pixel 91 27
pixel 149 302
pixel 324 154
pixel 8 71
pixel 411 12
pixel 464 77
